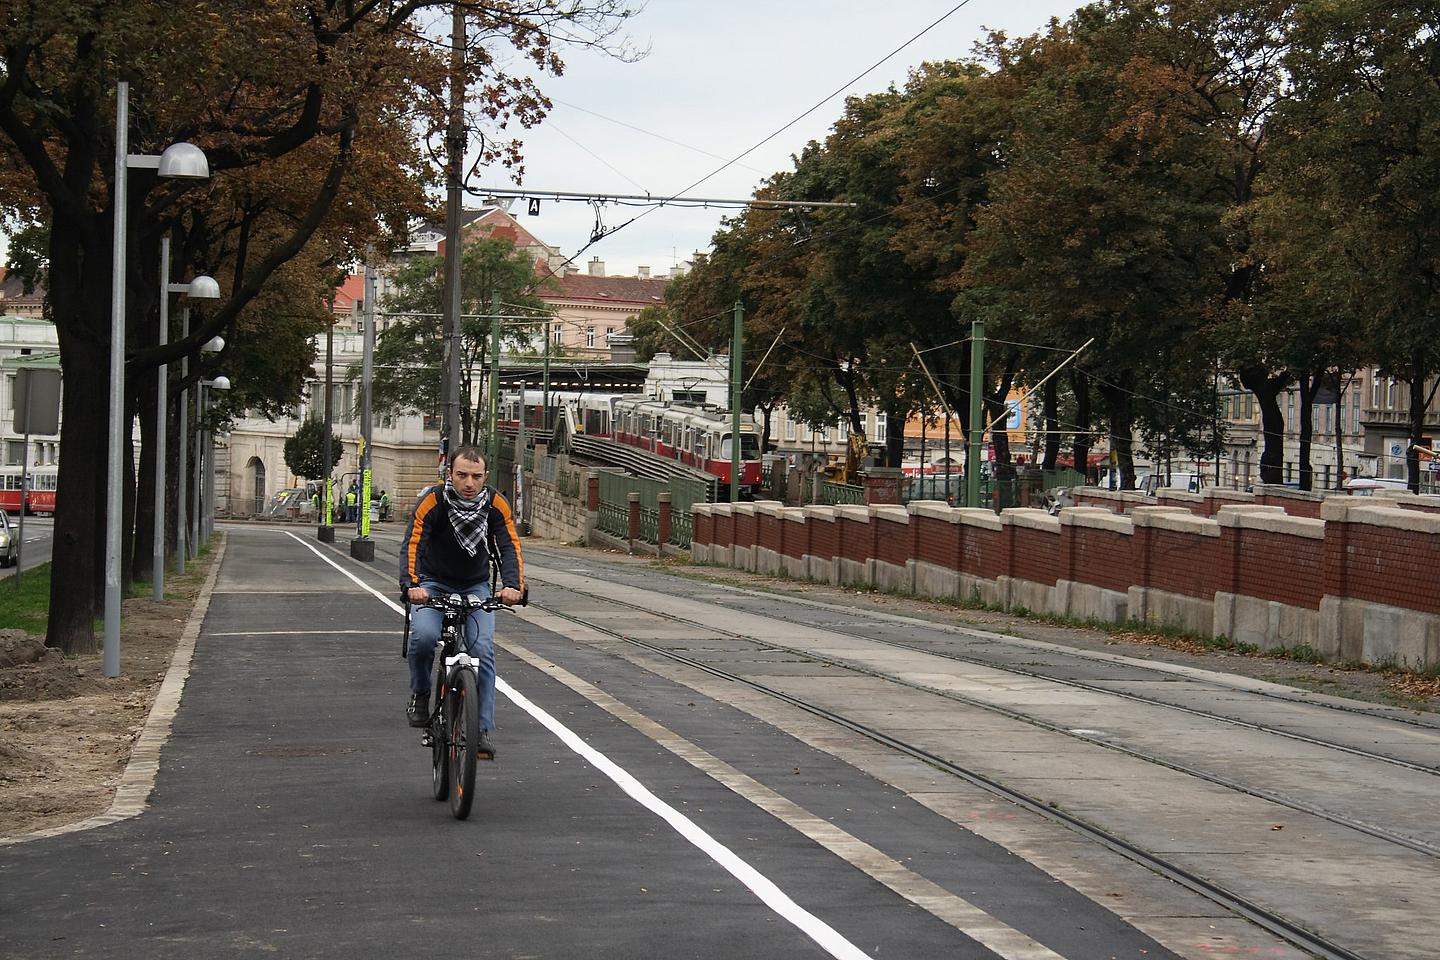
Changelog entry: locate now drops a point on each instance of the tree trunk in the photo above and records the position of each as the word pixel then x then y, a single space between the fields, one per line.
pixel 1308 385
pixel 1267 387
pixel 1080 384
pixel 998 414
pixel 1119 407
pixel 1050 398
pixel 78 558
pixel 895 436
pixel 1420 399
pixel 142 562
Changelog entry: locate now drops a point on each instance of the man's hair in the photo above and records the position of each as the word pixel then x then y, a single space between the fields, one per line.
pixel 469 452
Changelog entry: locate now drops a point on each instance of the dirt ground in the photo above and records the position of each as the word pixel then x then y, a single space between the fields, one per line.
pixel 65 730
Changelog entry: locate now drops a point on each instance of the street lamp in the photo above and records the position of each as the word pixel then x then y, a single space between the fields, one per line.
pixel 181 160
pixel 213 345
pixel 207 515
pixel 200 288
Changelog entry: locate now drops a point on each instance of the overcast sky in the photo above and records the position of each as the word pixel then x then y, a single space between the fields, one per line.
pixel 720 77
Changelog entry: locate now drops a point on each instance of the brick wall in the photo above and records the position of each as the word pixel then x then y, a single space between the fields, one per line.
pixel 1035 554
pixel 938 542
pixel 767 524
pixel 1275 566
pixel 824 537
pixel 1101 558
pixel 892 540
pixel 856 538
pixel 1393 567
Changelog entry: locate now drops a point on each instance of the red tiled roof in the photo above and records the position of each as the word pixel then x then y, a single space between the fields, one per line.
pixel 12 289
pixel 349 293
pixel 581 286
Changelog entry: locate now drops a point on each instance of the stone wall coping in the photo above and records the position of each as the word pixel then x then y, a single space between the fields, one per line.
pixel 982 517
pixel 1177 519
pixel 1179 496
pixel 1394 518
pixel 1406 497
pixel 1031 519
pixel 855 512
pixel 722 509
pixel 816 511
pixel 768 508
pixel 893 512
pixel 1280 490
pixel 1096 518
pixel 1119 496
pixel 743 509
pixel 1270 520
pixel 702 509
pixel 1220 493
pixel 797 514
pixel 934 509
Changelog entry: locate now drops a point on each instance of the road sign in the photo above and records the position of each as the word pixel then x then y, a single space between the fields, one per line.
pixel 37 401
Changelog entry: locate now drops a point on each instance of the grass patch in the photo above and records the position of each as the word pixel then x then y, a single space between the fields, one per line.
pixel 26 608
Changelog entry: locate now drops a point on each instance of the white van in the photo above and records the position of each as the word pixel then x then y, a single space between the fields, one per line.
pixel 1368 486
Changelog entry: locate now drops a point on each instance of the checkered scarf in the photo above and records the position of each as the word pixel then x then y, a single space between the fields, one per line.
pixel 469 518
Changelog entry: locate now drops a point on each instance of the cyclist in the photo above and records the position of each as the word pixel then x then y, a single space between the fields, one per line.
pixel 446 550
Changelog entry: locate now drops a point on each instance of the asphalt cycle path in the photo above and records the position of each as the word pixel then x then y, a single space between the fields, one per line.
pixel 292 816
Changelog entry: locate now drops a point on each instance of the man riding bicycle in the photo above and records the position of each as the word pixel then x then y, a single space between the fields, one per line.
pixel 446 550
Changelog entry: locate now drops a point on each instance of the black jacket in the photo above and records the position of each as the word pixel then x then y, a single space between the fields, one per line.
pixel 431 552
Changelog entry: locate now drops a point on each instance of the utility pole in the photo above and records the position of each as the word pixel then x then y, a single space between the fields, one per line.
pixel 977 417
pixel 493 449
pixel 454 162
pixel 735 391
pixel 545 387
pixel 326 532
pixel 363 548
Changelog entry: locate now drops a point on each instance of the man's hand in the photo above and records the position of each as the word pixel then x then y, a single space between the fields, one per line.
pixel 417 595
pixel 509 596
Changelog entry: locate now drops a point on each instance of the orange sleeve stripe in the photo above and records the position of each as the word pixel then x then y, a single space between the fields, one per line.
pixel 417 528
pixel 503 506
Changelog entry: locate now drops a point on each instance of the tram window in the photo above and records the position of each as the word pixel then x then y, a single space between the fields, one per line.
pixel 749 446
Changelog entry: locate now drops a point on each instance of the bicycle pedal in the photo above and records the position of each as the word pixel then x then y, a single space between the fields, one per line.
pixel 426 740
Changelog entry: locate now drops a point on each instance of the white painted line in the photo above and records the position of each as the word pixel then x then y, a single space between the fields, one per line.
pixel 772 896
pixel 304 633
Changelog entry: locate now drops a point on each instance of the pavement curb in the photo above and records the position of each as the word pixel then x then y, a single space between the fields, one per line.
pixel 133 793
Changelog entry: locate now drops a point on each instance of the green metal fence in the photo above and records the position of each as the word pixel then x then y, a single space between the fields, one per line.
pixel 838 493
pixel 615 490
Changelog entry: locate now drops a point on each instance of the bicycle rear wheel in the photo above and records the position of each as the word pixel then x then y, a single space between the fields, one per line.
pixel 463 720
pixel 439 736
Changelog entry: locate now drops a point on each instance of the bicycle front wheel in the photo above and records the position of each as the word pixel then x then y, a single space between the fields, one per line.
pixel 439 734
pixel 463 720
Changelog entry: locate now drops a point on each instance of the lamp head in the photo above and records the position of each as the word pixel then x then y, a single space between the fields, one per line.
pixel 213 345
pixel 203 288
pixel 185 161
pixel 219 383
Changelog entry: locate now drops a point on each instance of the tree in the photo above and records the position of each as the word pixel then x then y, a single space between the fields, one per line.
pixel 409 354
pixel 307 113
pixel 304 451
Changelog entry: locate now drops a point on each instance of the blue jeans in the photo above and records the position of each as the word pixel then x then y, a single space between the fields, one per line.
pixel 425 626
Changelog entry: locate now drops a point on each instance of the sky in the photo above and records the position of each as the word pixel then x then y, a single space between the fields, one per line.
pixel 718 78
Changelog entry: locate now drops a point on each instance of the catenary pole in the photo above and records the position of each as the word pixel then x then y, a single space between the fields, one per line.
pixel 454 161
pixel 182 462
pixel 977 419
pixel 114 467
pixel 367 370
pixel 735 391
pixel 493 446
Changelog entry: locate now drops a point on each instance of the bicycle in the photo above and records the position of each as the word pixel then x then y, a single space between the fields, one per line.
pixel 453 730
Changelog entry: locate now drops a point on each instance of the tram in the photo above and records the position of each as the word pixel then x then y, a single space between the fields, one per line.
pixel 41 498
pixel 696 435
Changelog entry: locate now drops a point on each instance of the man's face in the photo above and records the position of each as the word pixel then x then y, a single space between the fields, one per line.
pixel 468 477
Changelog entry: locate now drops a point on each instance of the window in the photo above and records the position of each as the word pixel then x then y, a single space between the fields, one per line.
pixel 589 336
pixel 14 452
pixel 881 426
pixel 688 396
pixel 789 430
pixel 1289 411
pixel 557 334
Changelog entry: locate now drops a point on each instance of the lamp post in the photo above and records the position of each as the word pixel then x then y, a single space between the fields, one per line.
pixel 205 521
pixel 201 288
pixel 183 160
pixel 188 523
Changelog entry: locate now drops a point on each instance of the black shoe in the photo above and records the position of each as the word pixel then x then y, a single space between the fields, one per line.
pixel 484 749
pixel 418 710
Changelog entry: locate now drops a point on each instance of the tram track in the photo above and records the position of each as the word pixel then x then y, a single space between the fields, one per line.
pixel 1275 923
pixel 1300 806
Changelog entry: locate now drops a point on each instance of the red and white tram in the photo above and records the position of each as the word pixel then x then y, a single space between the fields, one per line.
pixel 42 483
pixel 698 436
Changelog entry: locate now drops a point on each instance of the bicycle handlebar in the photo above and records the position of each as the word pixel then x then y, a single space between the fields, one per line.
pixel 471 601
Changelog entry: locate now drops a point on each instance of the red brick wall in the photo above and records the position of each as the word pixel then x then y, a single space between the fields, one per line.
pixel 745 532
pixel 983 552
pixel 1292 506
pixel 824 538
pixel 939 542
pixel 1176 562
pixel 795 538
pixel 1390 566
pixel 1276 566
pixel 725 530
pixel 704 531
pixel 768 531
pixel 892 541
pixel 856 539
pixel 1101 558
pixel 1035 555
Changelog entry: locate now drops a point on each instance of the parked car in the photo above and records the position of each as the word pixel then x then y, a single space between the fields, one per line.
pixel 1188 482
pixel 9 541
pixel 1368 486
